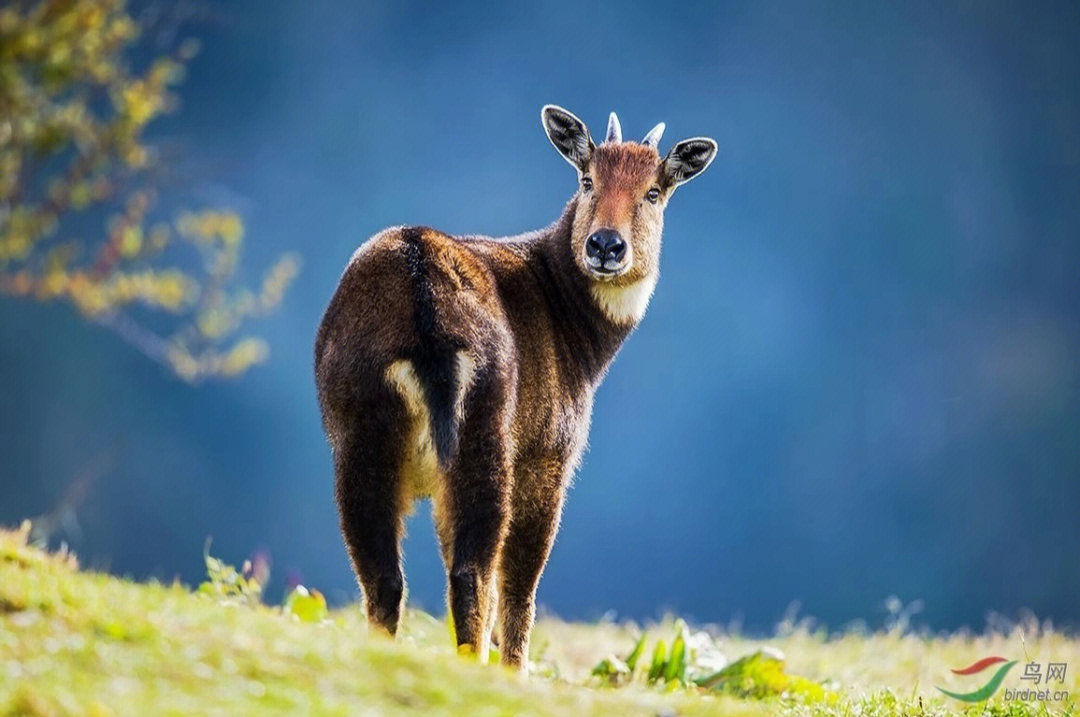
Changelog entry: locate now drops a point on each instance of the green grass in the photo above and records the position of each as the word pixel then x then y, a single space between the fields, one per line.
pixel 78 642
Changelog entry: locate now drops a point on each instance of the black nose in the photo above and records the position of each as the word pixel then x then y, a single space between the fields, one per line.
pixel 604 246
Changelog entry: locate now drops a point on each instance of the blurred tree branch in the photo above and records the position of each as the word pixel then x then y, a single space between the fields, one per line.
pixel 72 115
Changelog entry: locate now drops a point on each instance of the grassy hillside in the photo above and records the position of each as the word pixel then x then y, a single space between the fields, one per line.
pixel 75 642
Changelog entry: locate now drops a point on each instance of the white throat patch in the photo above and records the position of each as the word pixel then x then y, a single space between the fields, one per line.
pixel 625 304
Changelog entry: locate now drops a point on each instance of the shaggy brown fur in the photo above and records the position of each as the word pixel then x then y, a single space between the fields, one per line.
pixel 464 368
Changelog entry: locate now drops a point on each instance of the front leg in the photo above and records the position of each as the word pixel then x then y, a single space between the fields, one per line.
pixel 533 524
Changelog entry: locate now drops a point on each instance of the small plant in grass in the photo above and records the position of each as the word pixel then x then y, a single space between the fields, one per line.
pixel 757 675
pixel 760 674
pixel 245 587
pixel 225 582
pixel 663 666
pixel 306 605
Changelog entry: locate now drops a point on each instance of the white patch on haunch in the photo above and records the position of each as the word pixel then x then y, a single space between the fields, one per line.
pixel 624 304
pixel 419 466
pixel 466 372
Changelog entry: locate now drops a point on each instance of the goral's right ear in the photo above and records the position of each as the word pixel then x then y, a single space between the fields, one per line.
pixel 569 135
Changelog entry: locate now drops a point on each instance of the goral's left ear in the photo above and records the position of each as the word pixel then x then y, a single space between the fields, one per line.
pixel 687 160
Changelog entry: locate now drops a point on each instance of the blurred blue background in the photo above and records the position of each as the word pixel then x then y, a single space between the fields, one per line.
pixel 858 377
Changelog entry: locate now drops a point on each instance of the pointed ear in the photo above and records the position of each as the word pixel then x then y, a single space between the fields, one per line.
pixel 568 134
pixel 687 160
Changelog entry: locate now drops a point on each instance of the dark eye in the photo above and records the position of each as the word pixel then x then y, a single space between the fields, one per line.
pixel 586 183
pixel 652 195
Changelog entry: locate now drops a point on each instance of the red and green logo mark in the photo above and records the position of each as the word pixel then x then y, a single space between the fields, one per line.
pixel 990 687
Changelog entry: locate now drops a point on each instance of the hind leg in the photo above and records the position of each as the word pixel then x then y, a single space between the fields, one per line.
pixel 473 519
pixel 367 467
pixel 445 534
